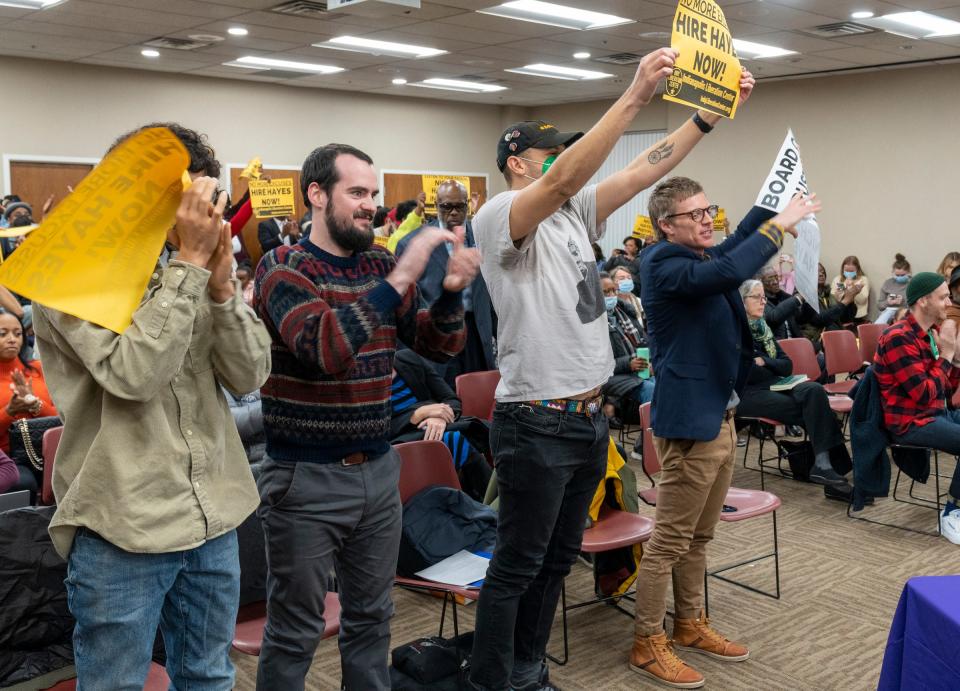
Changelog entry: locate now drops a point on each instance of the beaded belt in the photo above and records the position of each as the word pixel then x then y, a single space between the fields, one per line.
pixel 589 406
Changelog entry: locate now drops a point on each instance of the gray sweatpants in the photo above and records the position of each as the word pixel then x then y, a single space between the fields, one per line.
pixel 318 517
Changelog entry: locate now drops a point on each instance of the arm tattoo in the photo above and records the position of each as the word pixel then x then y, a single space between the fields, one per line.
pixel 661 152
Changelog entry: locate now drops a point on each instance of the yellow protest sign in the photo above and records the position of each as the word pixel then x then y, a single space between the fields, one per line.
pixel 93 255
pixel 271 198
pixel 719 221
pixel 707 73
pixel 643 228
pixel 379 240
pixel 17 232
pixel 254 169
pixel 432 182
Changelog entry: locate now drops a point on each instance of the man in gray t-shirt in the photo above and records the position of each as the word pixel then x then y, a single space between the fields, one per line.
pixel 549 436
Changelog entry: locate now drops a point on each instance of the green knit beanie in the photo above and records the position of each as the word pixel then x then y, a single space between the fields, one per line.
pixel 922 284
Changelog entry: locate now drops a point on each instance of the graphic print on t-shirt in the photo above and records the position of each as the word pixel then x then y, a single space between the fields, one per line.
pixel 589 295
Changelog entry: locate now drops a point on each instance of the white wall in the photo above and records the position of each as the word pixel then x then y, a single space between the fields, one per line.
pixel 78 110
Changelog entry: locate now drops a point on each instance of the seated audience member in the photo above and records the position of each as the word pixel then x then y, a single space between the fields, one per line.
pixel 918 370
pixel 628 258
pixel 15 214
pixel 625 389
pixel 627 289
pixel 833 315
pixel 806 404
pixel 893 291
pixel 950 261
pixel 425 407
pixel 382 223
pixel 850 273
pixel 409 216
pixel 274 232
pixel 786 274
pixel 9 473
pixel 598 255
pixel 23 390
pixel 245 276
pixel 953 311
pixel 782 310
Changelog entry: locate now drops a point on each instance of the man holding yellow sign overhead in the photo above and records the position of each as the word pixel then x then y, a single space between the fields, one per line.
pixel 548 440
pixel 151 478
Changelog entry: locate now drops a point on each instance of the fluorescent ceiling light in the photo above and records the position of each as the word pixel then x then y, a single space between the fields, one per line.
pixel 271 63
pixel 458 85
pixel 864 14
pixel 555 15
pixel 749 49
pixel 368 45
pixel 150 53
pixel 399 81
pixel 582 55
pixel 558 72
pixel 30 4
pixel 916 25
pixel 237 31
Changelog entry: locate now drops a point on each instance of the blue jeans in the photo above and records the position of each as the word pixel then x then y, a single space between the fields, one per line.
pixel 549 465
pixel 943 434
pixel 119 598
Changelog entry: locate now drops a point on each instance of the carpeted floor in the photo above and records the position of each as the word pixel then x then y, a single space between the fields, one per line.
pixel 841 579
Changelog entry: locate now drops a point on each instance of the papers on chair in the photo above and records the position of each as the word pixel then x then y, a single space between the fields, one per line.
pixel 788 383
pixel 462 569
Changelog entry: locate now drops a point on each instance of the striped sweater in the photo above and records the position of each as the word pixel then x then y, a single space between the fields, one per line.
pixel 335 322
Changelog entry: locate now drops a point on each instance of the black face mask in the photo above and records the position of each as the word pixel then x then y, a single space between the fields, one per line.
pixel 21 221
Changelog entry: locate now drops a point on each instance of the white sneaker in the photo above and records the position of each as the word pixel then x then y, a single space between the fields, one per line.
pixel 950 526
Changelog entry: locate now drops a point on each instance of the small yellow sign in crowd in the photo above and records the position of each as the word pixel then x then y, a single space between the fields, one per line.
pixel 272 198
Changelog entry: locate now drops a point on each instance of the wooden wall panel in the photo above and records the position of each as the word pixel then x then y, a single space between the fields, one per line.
pixel 399 187
pixel 238 187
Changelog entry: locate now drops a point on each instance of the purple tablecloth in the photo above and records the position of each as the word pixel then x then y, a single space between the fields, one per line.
pixel 923 650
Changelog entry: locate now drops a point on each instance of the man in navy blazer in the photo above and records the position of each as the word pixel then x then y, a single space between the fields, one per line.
pixel 477 354
pixel 700 346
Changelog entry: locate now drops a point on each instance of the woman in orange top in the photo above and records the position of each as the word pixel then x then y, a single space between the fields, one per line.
pixel 23 392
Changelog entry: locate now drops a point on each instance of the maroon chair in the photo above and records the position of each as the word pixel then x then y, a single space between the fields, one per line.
pixel 51 439
pixel 801 354
pixel 842 357
pixel 747 503
pixel 476 393
pixel 428 464
pixel 157 680
pixel 869 335
pixel 613 529
pixel 252 617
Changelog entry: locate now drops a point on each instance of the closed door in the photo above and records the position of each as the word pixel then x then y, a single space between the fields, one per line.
pixel 35 182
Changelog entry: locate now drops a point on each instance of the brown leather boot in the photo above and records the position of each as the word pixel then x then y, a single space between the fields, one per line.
pixel 697 636
pixel 653 656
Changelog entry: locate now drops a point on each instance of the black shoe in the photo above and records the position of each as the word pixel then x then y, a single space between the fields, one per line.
pixel 794 431
pixel 615 422
pixel 541 684
pixel 843 493
pixel 827 476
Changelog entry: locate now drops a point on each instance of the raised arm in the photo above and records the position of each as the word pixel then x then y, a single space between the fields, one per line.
pixel 657 161
pixel 576 165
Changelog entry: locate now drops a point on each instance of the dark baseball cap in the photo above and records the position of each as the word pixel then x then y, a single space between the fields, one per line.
pixel 531 134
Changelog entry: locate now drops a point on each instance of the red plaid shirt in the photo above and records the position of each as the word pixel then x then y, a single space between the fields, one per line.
pixel 914 385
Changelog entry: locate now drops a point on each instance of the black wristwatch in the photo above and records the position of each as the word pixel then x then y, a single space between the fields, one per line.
pixel 702 124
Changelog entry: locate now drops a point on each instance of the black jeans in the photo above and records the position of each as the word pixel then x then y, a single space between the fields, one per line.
pixel 549 465
pixel 805 404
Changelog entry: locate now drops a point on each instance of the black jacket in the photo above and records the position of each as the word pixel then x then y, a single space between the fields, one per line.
pixel 428 386
pixel 623 350
pixel 774 368
pixel 786 315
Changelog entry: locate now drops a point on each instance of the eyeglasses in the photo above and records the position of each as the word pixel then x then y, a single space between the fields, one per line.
pixel 761 297
pixel 450 206
pixel 697 214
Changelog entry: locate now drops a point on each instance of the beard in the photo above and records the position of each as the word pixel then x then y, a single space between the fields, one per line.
pixel 346 234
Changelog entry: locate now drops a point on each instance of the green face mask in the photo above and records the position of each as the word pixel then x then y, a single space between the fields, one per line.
pixel 547 163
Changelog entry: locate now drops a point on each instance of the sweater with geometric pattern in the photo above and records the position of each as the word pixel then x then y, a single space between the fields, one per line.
pixel 335 323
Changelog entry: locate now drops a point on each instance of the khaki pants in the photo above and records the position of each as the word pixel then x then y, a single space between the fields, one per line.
pixel 694 480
